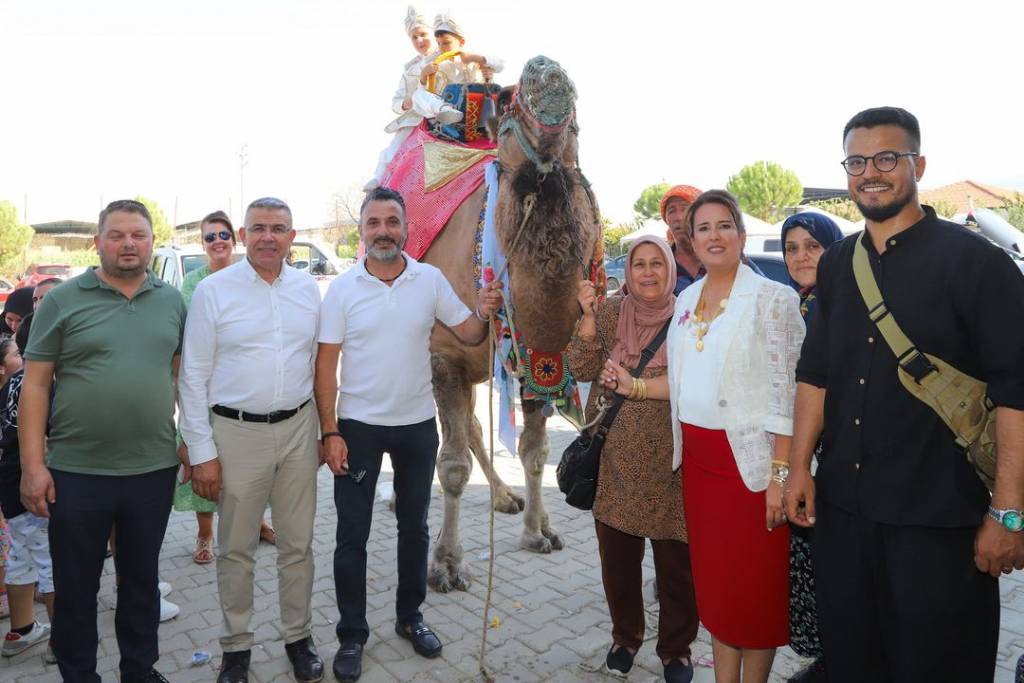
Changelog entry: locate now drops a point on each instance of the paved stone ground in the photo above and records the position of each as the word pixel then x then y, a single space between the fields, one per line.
pixel 552 618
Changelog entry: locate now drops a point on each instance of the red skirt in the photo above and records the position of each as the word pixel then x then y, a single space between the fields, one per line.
pixel 740 569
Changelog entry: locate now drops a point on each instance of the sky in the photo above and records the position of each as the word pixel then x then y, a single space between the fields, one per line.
pixel 109 99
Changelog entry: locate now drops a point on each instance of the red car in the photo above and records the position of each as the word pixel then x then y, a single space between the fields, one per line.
pixel 5 289
pixel 36 273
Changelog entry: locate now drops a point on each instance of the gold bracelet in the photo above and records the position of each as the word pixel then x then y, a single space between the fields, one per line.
pixel 785 463
pixel 642 394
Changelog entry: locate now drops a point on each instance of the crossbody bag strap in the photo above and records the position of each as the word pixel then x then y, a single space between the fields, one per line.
pixel 645 356
pixel 915 363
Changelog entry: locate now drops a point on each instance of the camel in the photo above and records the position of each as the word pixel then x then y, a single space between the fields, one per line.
pixel 557 243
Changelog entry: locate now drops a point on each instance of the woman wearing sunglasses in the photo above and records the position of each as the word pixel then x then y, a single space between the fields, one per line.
pixel 218 243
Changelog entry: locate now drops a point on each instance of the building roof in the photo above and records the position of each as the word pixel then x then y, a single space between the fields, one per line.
pixel 817 194
pixel 66 226
pixel 987 196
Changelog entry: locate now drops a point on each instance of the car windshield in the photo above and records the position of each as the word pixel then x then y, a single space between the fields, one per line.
pixel 193 262
pixel 54 270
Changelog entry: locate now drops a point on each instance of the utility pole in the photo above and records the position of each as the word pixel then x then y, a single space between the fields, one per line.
pixel 243 161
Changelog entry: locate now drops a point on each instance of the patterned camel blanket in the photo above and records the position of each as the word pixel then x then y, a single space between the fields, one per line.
pixel 434 177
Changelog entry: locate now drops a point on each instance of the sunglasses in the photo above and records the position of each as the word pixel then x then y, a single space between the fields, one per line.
pixel 211 236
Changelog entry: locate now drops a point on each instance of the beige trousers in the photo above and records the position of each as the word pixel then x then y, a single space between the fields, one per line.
pixel 261 463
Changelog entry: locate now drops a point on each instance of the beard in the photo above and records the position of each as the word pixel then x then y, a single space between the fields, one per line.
pixel 883 212
pixel 385 249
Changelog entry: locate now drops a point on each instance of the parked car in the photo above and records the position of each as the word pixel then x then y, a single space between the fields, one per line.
pixel 5 289
pixel 172 264
pixel 773 266
pixel 36 273
pixel 615 270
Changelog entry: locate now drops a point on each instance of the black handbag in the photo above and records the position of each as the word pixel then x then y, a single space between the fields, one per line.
pixel 581 461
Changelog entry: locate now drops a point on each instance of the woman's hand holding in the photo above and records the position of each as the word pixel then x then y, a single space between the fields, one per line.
pixel 616 378
pixel 775 513
pixel 586 295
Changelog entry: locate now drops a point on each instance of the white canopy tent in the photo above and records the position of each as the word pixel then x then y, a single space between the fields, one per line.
pixel 655 226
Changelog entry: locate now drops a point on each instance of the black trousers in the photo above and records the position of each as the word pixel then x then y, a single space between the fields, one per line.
pixel 901 604
pixel 88 506
pixel 413 450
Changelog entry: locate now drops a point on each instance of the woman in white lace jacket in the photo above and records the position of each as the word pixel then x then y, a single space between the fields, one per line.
pixel 732 353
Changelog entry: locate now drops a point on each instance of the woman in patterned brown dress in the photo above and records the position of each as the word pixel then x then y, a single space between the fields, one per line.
pixel 637 492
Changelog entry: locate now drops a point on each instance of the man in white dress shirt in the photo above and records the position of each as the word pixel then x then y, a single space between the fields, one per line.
pixel 250 426
pixel 379 316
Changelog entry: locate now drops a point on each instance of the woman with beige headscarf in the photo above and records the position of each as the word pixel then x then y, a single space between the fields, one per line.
pixel 637 492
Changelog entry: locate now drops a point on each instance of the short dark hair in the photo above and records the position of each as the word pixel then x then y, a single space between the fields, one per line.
pixel 219 217
pixel 382 194
pixel 887 116
pixel 722 198
pixel 49 281
pixel 124 206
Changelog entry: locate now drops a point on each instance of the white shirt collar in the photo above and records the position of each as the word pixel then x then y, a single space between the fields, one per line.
pixel 251 273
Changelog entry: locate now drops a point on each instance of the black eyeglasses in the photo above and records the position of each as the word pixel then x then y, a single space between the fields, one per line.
pixel 211 236
pixel 884 161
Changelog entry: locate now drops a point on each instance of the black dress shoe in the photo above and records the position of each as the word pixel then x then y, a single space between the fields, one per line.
pixel 348 662
pixel 151 676
pixel 679 671
pixel 306 663
pixel 422 638
pixel 234 667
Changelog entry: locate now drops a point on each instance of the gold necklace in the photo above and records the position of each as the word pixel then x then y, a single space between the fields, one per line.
pixel 704 325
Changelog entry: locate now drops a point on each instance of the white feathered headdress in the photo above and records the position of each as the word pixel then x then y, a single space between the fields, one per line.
pixel 414 19
pixel 444 22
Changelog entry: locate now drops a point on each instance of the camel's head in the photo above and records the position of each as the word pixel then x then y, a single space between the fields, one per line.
pixel 549 252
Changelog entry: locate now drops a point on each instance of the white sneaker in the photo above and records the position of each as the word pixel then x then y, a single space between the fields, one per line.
pixel 448 115
pixel 164 588
pixel 15 643
pixel 168 610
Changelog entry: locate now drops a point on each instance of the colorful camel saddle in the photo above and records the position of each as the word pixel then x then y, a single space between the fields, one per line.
pixel 478 103
pixel 434 177
pixel 536 375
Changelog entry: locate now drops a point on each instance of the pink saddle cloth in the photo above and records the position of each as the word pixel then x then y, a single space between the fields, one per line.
pixel 434 177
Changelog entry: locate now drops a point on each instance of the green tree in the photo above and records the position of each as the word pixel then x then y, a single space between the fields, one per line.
pixel 764 189
pixel 163 231
pixel 649 203
pixel 840 206
pixel 1015 212
pixel 611 236
pixel 944 208
pixel 14 239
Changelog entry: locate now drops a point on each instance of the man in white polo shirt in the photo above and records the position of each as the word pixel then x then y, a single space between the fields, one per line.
pixel 380 314
pixel 248 421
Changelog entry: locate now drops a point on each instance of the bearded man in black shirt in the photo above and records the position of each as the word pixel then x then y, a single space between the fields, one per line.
pixel 907 546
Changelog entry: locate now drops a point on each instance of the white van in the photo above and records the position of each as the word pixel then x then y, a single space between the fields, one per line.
pixel 172 264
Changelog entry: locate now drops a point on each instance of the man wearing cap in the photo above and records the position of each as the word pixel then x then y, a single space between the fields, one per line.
pixel 675 207
pixel 249 423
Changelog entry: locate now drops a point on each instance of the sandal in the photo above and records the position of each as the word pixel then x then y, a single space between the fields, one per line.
pixel 204 551
pixel 268 535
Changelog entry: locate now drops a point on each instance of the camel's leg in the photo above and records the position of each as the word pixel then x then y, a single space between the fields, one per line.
pixel 504 499
pixel 452 393
pixel 533 451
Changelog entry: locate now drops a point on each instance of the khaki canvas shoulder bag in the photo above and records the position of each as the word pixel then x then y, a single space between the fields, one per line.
pixel 956 397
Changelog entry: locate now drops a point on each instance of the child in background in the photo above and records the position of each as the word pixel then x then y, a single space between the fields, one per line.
pixel 28 562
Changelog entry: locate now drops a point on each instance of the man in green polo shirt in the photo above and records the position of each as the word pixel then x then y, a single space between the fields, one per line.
pixel 109 340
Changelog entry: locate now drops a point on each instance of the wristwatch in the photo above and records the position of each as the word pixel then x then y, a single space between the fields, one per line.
pixel 1012 520
pixel 780 473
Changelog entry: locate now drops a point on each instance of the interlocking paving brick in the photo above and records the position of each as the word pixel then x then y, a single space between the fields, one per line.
pixel 554 622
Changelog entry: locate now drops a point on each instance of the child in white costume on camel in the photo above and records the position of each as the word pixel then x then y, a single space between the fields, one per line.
pixel 413 101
